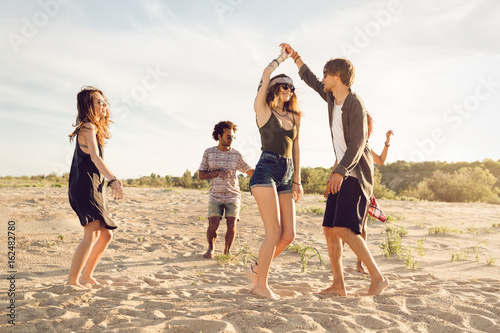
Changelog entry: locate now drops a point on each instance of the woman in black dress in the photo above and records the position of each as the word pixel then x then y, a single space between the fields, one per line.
pixel 87 190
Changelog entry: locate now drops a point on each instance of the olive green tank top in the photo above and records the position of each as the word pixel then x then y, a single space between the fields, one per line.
pixel 276 139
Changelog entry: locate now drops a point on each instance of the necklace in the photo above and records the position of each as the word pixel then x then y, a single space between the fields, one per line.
pixel 281 115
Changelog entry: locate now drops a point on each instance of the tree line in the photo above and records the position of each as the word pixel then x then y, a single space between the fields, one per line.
pixel 401 180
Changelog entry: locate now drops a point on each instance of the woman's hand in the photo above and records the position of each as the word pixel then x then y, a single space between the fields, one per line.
pixel 388 136
pixel 117 189
pixel 297 191
pixel 285 53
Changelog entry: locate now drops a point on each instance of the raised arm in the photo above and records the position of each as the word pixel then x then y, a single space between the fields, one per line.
pixel 89 135
pixel 380 159
pixel 305 73
pixel 260 106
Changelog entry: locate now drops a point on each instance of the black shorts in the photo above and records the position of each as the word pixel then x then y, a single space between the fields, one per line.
pixel 346 208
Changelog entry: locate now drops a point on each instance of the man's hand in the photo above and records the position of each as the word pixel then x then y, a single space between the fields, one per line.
pixel 334 183
pixel 224 173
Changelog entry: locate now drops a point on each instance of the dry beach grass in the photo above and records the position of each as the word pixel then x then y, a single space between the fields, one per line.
pixel 154 278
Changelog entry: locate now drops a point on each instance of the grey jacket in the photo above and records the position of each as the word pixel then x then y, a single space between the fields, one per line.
pixel 358 156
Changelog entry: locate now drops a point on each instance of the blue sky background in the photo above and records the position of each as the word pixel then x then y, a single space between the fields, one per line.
pixel 429 70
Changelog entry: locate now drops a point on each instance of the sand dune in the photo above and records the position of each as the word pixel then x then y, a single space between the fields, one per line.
pixel 154 278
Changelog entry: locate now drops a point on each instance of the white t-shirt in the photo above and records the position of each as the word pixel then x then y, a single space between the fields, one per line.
pixel 338 136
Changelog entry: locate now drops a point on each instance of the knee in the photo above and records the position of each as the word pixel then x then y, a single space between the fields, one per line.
pixel 288 238
pixel 106 235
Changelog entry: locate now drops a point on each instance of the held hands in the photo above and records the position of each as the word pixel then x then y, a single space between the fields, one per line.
pixel 117 189
pixel 285 54
pixel 297 191
pixel 288 50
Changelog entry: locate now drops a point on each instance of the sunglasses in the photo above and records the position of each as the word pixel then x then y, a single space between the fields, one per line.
pixel 285 86
pixel 102 102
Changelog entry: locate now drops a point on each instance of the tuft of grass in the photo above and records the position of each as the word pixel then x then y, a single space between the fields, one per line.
pixel 296 247
pixel 409 262
pixel 420 247
pixel 396 229
pixel 61 237
pixel 390 218
pixel 476 249
pixel 202 218
pixel 310 210
pixel 442 229
pixel 490 260
pixel 459 255
pixel 391 244
pixel 140 239
pixel 223 259
pixel 305 257
pixel 496 225
pixel 474 230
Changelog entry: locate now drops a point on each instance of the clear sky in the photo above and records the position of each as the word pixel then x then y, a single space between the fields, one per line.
pixel 429 70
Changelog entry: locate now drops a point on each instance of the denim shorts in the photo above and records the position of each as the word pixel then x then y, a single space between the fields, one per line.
pixel 273 170
pixel 227 209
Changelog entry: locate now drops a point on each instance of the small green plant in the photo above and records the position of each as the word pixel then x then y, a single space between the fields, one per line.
pixel 474 230
pixel 390 218
pixel 391 244
pixel 202 218
pixel 459 255
pixel 490 260
pixel 396 229
pixel 476 249
pixel 244 252
pixel 496 225
pixel 140 239
pixel 305 257
pixel 312 210
pixel 61 237
pixel 198 273
pixel 57 185
pixel 420 247
pixel 51 243
pixel 223 259
pixel 296 247
pixel 409 262
pixel 442 229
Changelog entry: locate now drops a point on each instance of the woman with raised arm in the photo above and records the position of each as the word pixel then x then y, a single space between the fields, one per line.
pixel 87 187
pixel 274 183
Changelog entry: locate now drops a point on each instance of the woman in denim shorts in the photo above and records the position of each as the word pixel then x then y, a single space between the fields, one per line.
pixel 274 183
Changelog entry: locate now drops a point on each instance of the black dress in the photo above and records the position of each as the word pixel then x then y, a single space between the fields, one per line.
pixel 87 190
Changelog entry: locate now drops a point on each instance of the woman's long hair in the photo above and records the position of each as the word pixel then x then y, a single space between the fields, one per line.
pixel 272 98
pixel 370 124
pixel 87 114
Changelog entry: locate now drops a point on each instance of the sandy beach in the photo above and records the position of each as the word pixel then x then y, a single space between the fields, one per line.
pixel 154 278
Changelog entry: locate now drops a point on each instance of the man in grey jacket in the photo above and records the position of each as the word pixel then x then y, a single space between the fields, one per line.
pixel 351 181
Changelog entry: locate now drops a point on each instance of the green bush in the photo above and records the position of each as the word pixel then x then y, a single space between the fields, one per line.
pixel 469 184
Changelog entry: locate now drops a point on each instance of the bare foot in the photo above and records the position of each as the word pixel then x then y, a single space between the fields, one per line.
pixel 209 254
pixel 378 286
pixel 333 290
pixel 263 292
pixel 88 280
pixel 77 286
pixel 251 275
pixel 359 268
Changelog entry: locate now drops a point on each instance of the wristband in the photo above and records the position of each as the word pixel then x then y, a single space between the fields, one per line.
pixel 295 59
pixel 297 183
pixel 111 182
pixel 387 145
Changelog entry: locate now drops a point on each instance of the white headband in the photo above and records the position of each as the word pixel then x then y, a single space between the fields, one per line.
pixel 281 79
